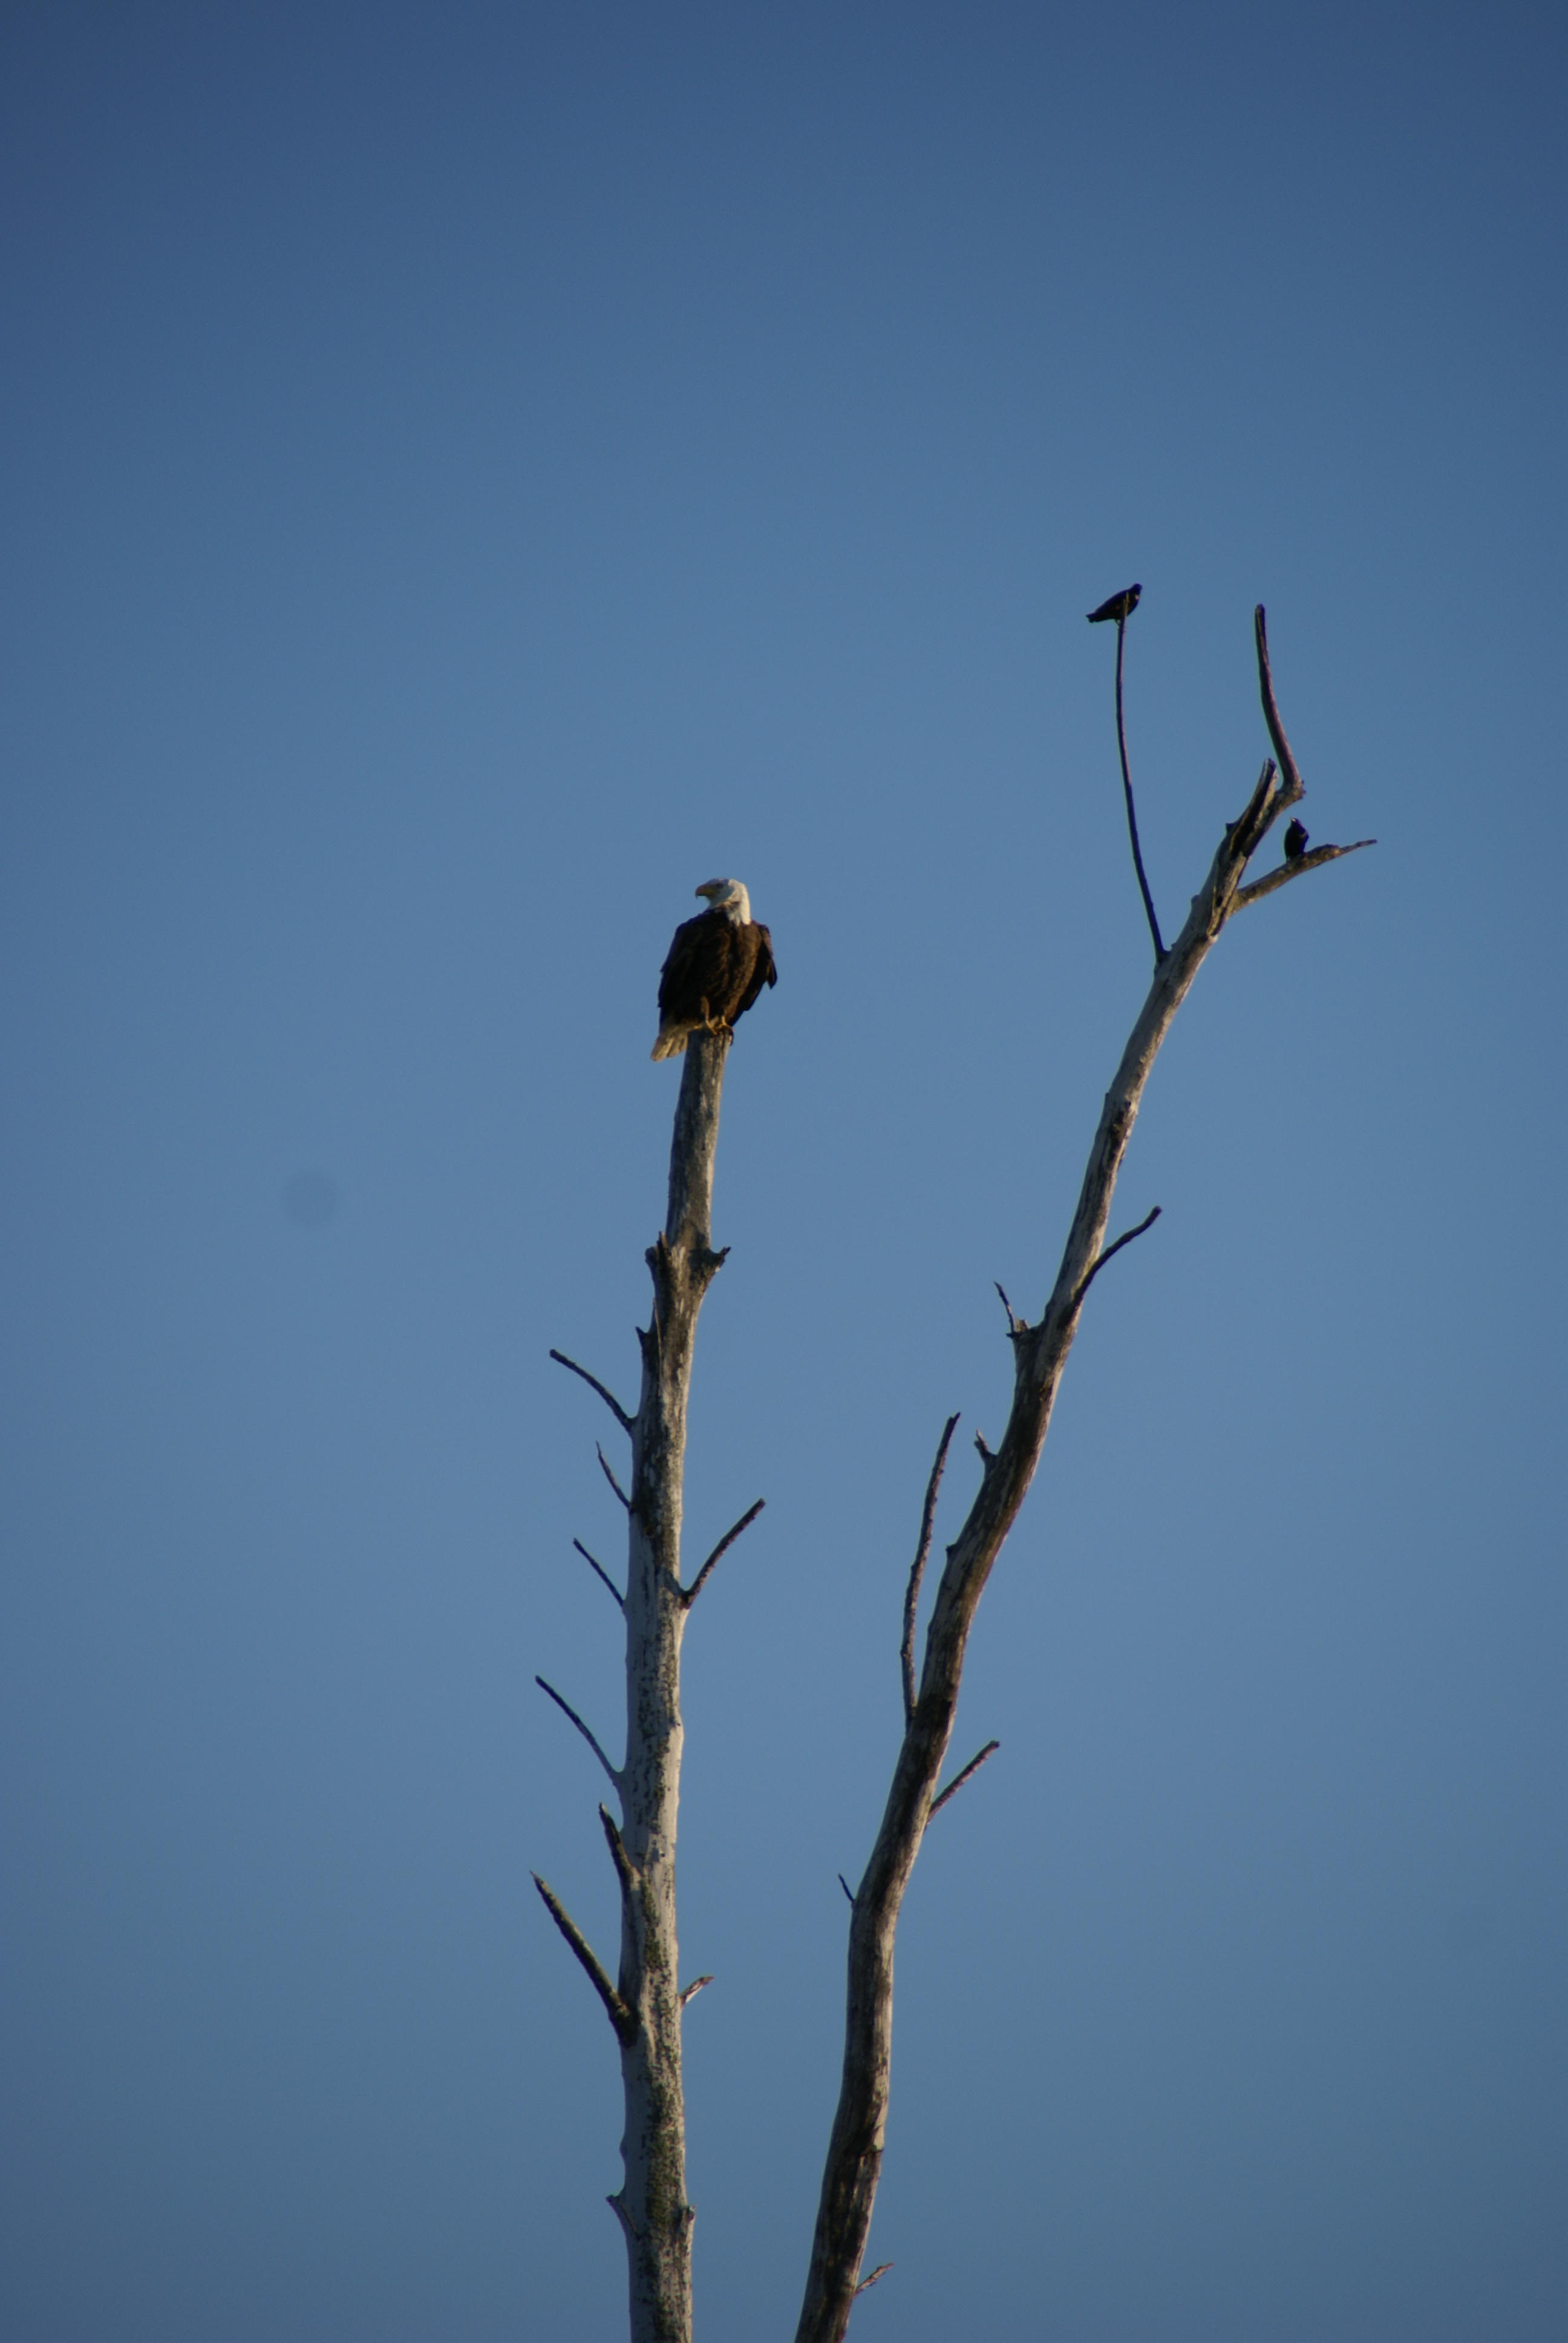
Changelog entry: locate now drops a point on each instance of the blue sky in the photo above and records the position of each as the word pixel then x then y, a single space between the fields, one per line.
pixel 469 476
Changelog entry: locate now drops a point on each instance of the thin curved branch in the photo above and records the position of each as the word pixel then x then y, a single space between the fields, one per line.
pixel 1294 785
pixel 594 1383
pixel 689 1991
pixel 602 1570
pixel 1127 790
pixel 688 1595
pixel 1110 1251
pixel 922 1555
pixel 605 1467
pixel 880 2271
pixel 568 1709
pixel 1289 870
pixel 620 2015
pixel 956 1784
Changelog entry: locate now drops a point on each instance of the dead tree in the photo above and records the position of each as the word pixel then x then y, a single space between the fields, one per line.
pixel 1039 1353
pixel 645 2003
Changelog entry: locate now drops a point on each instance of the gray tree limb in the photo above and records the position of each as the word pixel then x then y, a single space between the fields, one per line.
pixel 620 2017
pixel 956 1784
pixel 1126 788
pixel 1039 1353
pixel 1112 1250
pixel 922 1551
pixel 568 1709
pixel 594 1383
pixel 644 2004
pixel 651 2201
pixel 600 1572
pixel 722 1548
pixel 608 1470
pixel 1289 870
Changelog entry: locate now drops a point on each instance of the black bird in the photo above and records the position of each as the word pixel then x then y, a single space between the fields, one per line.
pixel 1295 842
pixel 1120 606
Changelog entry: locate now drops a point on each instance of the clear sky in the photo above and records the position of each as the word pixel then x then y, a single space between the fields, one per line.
pixel 469 474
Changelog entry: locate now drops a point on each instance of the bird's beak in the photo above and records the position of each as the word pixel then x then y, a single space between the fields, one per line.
pixel 710 887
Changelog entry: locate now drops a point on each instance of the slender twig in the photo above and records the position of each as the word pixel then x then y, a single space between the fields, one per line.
pixel 618 1854
pixel 1146 1222
pixel 689 1991
pixel 568 1709
pixel 956 1784
pixel 880 2271
pixel 594 1383
pixel 987 1456
pixel 606 1469
pixel 846 1888
pixel 620 2017
pixel 1015 1326
pixel 602 1570
pixel 1289 870
pixel 688 1595
pixel 1127 792
pixel 917 1568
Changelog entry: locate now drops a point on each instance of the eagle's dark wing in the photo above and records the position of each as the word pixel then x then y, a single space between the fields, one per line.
pixel 762 970
pixel 691 966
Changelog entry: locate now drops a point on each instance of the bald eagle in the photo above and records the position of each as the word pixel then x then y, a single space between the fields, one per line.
pixel 717 966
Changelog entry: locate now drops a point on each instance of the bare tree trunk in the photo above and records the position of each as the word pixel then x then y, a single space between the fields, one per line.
pixel 645 2003
pixel 1040 1355
pixel 652 2204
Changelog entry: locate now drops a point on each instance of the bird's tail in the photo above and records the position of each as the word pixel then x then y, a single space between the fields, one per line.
pixel 671 1041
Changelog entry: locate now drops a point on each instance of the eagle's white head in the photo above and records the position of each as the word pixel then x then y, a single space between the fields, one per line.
pixel 729 896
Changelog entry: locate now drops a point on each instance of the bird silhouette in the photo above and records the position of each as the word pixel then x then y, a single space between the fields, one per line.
pixel 1119 606
pixel 1295 842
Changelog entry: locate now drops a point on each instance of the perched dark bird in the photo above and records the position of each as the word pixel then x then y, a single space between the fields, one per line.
pixel 716 967
pixel 1119 606
pixel 1295 841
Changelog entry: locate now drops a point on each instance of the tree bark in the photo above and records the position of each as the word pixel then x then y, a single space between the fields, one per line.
pixel 1040 1355
pixel 651 2202
pixel 645 2003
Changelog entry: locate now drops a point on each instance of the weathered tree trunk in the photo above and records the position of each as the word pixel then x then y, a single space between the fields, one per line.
pixel 652 2205
pixel 1040 1355
pixel 645 2003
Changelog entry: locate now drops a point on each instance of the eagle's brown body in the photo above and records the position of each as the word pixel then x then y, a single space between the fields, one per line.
pixel 716 967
